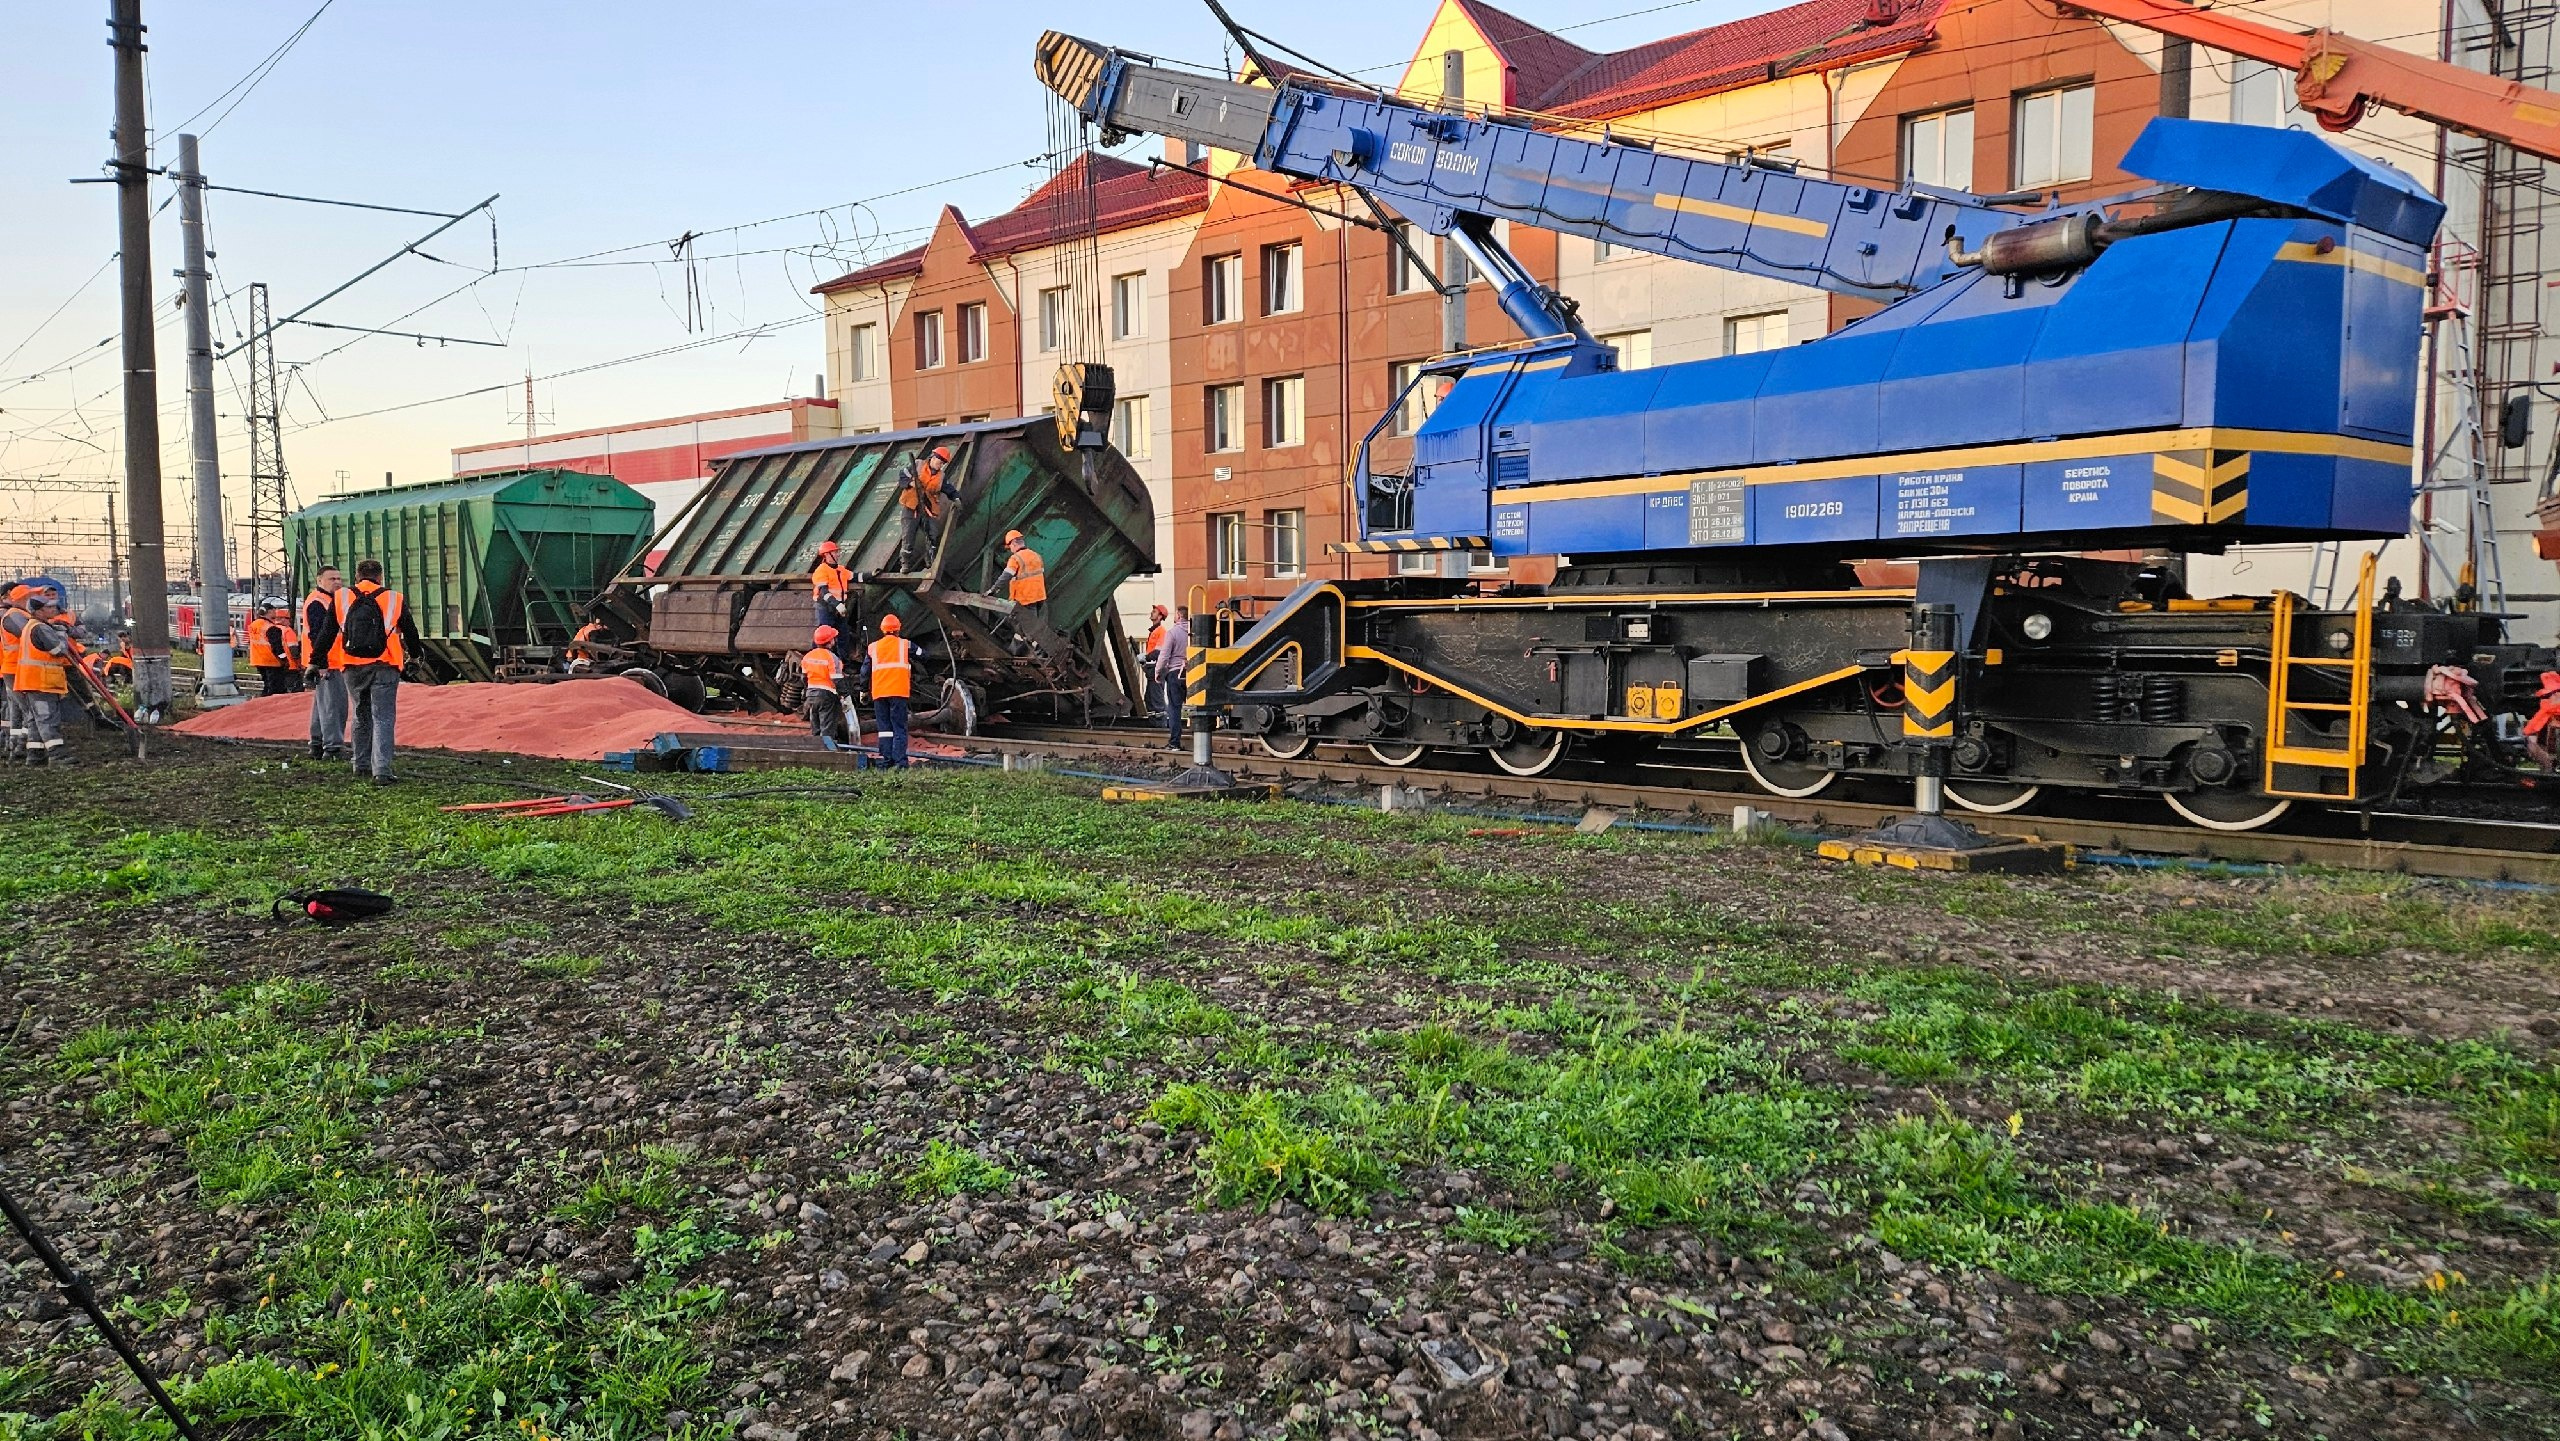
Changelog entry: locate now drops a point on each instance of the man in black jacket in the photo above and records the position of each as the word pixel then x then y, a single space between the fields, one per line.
pixel 328 681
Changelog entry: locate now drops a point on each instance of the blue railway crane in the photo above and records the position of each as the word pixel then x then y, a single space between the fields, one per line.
pixel 2230 355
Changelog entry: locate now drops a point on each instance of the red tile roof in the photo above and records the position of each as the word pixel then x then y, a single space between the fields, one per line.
pixel 1815 35
pixel 1124 195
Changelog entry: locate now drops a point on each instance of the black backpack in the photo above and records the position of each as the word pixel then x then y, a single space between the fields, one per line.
pixel 339 906
pixel 364 634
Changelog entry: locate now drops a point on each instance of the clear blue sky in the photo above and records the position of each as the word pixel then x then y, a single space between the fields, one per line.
pixel 600 125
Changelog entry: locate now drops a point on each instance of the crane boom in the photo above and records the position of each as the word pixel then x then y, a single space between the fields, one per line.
pixel 2336 77
pixel 1455 174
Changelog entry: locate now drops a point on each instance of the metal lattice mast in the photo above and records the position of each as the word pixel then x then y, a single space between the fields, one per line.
pixel 268 561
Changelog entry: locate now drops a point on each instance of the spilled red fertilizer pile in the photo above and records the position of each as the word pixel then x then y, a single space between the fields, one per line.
pixel 571 720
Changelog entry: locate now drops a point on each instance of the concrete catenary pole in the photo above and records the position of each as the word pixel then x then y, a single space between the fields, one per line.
pixel 220 686
pixel 148 556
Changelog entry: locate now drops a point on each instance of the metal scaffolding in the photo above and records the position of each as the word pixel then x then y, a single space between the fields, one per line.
pixel 270 568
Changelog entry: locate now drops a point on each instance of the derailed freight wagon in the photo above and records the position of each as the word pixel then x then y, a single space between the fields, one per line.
pixel 498 569
pixel 729 609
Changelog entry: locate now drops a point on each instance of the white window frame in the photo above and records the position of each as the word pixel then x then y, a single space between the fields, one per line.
pixel 1413 406
pixel 1404 273
pixel 1485 562
pixel 1750 334
pixel 1284 411
pixel 862 353
pixel 1133 427
pixel 1054 303
pixel 2263 95
pixel 1222 416
pixel 2069 121
pixel 929 340
pixel 1417 562
pixel 973 331
pixel 1285 542
pixel 1227 560
pixel 1129 305
pixel 1222 289
pixel 1634 348
pixel 1937 148
pixel 1284 278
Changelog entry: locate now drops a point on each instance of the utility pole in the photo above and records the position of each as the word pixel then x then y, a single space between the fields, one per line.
pixel 115 564
pixel 150 558
pixel 213 567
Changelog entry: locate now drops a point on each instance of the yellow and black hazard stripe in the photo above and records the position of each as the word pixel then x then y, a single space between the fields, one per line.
pixel 1195 684
pixel 1929 694
pixel 1408 545
pixel 2199 487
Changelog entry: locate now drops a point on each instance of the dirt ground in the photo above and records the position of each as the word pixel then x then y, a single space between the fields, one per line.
pixel 963 1105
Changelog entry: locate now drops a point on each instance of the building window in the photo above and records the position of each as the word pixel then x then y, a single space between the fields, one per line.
pixel 1634 347
pixel 1751 334
pixel 1284 411
pixel 2263 95
pixel 1222 289
pixel 862 355
pixel 973 331
pixel 1602 250
pixel 1053 317
pixel 929 340
pixel 1225 414
pixel 1413 403
pixel 1481 561
pixel 1129 305
pixel 1417 562
pixel 1287 530
pixel 2052 129
pixel 1938 149
pixel 1404 265
pixel 1283 288
pixel 1132 427
pixel 1226 545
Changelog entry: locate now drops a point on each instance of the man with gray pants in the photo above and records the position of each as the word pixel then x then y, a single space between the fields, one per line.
pixel 328 678
pixel 374 636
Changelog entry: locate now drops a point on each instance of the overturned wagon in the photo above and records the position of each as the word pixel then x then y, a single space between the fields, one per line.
pixel 729 610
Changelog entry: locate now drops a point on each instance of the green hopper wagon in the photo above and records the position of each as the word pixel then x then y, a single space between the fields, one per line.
pixel 499 569
pixel 728 610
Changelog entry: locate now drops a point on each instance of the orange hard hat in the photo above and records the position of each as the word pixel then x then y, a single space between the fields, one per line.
pixel 828 547
pixel 18 593
pixel 2550 683
pixel 826 635
pixel 890 625
pixel 942 452
pixel 1012 536
pixel 1155 612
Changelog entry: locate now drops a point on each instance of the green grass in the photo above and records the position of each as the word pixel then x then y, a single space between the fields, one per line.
pixel 1635 1061
pixel 948 1170
pixel 364 1283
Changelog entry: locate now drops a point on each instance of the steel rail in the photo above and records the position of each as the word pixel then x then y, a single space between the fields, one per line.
pixel 2451 848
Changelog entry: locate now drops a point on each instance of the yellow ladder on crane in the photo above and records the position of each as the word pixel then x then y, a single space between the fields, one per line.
pixel 2324 750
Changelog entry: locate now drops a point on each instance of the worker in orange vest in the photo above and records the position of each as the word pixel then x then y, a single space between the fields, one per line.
pixel 374 636
pixel 831 597
pixel 44 679
pixel 275 650
pixel 1026 580
pixel 824 671
pixel 1147 655
pixel 326 680
pixel 889 666
pixel 580 657
pixel 920 496
pixel 13 626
